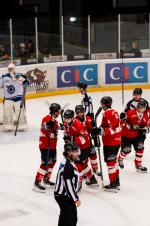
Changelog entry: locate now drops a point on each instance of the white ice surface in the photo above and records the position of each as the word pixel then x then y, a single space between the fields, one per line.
pixel 19 162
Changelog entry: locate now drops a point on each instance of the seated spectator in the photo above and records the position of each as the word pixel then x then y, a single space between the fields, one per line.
pixel 14 51
pixel 136 48
pixel 4 55
pixel 30 49
pixel 22 52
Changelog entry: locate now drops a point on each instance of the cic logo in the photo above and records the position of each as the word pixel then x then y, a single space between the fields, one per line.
pixel 127 73
pixel 68 76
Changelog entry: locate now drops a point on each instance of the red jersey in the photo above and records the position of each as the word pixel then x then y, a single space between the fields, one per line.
pixel 111 125
pixel 48 138
pixel 133 118
pixel 87 123
pixel 78 132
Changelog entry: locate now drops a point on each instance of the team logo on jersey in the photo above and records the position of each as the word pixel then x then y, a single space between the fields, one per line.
pixel 10 89
pixel 37 80
pixel 127 73
pixel 68 76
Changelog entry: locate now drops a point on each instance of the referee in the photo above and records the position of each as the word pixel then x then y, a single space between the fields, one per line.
pixel 66 186
pixel 87 100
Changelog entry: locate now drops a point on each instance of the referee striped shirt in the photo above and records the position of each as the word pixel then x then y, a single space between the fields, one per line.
pixel 67 180
pixel 87 104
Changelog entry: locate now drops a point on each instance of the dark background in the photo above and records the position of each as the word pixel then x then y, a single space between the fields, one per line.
pixel 19 8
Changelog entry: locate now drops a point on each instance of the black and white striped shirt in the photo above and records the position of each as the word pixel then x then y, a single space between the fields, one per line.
pixel 87 104
pixel 67 180
pixel 132 104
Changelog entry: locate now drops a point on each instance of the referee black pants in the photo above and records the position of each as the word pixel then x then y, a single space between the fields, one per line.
pixel 68 211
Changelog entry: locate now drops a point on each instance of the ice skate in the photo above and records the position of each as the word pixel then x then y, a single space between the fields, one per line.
pixel 48 183
pixel 38 187
pixel 112 187
pixel 141 169
pixel 92 181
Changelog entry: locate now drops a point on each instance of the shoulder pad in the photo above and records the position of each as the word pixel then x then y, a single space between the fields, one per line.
pixel 6 75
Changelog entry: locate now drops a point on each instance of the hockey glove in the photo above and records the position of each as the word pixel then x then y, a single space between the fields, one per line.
pixel 136 127
pixel 122 116
pixel 67 138
pixel 61 126
pixel 49 125
pixel 98 130
pixel 145 130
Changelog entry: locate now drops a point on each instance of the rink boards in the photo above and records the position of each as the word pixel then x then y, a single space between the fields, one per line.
pixel 60 78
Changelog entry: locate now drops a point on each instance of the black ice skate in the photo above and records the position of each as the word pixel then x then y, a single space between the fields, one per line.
pixel 142 169
pixel 38 187
pixel 120 163
pixel 112 187
pixel 92 181
pixel 48 183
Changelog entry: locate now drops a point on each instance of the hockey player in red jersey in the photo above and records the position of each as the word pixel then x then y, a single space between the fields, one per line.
pixel 134 128
pixel 47 146
pixel 88 126
pixel 74 130
pixel 111 138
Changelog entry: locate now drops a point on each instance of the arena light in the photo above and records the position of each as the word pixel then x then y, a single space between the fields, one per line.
pixel 73 19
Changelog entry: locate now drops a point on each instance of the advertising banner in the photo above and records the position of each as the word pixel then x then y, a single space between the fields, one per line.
pixel 127 72
pixel 68 76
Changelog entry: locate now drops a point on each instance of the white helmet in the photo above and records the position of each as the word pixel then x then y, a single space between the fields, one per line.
pixel 11 66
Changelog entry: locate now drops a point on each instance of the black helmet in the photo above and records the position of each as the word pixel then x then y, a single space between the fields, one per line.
pixel 70 146
pixel 79 108
pixel 106 100
pixel 137 91
pixel 69 114
pixel 141 104
pixel 81 85
pixel 54 108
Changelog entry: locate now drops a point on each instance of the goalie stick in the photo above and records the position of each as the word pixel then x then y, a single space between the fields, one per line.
pixel 99 144
pixel 21 106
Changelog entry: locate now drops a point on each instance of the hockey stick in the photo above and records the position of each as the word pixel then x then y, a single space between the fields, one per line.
pixel 21 106
pixel 62 111
pixel 47 103
pixel 98 145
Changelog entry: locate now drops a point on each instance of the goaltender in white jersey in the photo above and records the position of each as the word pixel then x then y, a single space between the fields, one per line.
pixel 13 90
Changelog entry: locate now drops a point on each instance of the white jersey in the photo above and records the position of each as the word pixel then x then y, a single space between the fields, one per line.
pixel 12 88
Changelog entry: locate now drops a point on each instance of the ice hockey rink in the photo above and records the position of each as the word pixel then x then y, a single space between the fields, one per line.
pixel 20 159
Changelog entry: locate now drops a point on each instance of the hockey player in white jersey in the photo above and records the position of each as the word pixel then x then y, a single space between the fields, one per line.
pixel 13 85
